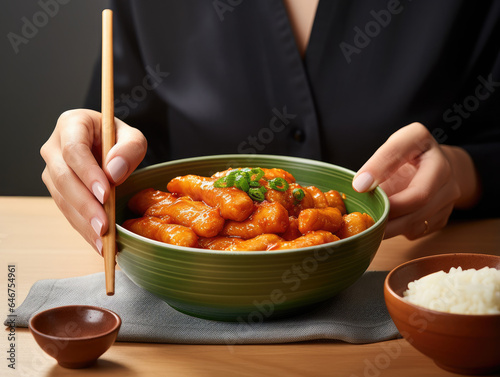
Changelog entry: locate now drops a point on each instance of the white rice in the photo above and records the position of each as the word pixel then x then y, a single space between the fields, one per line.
pixel 458 291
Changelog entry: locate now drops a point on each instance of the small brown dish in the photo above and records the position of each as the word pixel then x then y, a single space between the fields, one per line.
pixel 460 343
pixel 76 335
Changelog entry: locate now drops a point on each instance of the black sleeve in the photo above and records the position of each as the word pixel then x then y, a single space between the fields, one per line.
pixel 475 123
pixel 136 101
pixel 481 139
pixel 486 158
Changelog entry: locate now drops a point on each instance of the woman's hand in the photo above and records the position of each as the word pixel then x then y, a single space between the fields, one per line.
pixel 73 174
pixel 423 180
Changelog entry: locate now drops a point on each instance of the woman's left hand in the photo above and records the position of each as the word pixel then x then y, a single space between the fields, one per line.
pixel 424 181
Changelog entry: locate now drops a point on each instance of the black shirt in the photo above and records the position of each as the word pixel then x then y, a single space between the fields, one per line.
pixel 218 76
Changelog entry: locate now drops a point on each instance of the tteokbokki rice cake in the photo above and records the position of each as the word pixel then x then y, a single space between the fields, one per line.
pixel 243 209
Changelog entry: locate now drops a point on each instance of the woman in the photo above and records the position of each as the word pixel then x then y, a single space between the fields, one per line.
pixel 405 92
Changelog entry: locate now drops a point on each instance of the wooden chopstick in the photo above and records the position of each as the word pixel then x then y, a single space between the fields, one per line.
pixel 108 140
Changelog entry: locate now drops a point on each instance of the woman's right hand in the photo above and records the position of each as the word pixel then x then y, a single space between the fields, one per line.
pixel 73 174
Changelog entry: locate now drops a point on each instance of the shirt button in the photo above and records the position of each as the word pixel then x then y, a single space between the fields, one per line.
pixel 298 135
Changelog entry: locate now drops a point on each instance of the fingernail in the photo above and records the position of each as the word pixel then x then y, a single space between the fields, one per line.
pixel 98 191
pixel 363 182
pixel 97 225
pixel 98 244
pixel 117 168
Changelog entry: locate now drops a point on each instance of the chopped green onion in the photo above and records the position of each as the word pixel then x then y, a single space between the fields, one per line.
pixel 241 183
pixel 248 180
pixel 221 182
pixel 278 184
pixel 230 180
pixel 258 172
pixel 298 194
pixel 256 194
pixel 233 174
pixel 245 174
pixel 226 181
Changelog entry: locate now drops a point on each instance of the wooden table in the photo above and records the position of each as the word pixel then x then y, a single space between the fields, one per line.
pixel 39 241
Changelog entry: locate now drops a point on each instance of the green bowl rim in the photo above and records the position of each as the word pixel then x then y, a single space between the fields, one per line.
pixel 377 190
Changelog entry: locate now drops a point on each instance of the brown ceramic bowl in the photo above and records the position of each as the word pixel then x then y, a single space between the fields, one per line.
pixel 75 335
pixel 466 344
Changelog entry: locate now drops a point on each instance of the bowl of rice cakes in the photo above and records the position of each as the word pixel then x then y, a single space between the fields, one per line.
pixel 246 237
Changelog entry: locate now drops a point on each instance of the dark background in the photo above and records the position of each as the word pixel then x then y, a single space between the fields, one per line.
pixel 48 75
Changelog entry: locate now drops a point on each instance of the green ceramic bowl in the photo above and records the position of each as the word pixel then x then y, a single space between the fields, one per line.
pixel 248 286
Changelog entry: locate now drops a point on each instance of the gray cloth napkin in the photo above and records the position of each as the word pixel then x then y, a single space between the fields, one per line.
pixel 357 315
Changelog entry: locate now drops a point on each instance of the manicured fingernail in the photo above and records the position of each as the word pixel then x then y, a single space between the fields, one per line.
pixel 117 168
pixel 363 182
pixel 98 191
pixel 97 225
pixel 98 244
